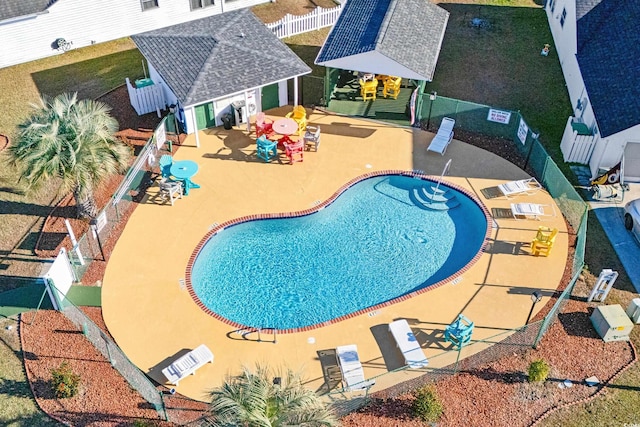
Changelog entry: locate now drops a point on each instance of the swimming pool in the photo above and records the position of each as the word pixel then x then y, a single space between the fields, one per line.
pixel 368 245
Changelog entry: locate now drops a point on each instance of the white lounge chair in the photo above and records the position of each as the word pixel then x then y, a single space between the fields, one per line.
pixel 188 364
pixel 409 346
pixel 522 186
pixel 444 136
pixel 351 368
pixel 531 210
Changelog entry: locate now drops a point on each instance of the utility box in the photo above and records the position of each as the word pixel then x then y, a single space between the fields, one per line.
pixel 611 323
pixel 633 311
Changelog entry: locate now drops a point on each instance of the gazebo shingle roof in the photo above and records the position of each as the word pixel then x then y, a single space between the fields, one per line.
pixel 216 56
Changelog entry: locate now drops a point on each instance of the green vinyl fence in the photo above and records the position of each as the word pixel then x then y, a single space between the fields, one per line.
pixel 512 126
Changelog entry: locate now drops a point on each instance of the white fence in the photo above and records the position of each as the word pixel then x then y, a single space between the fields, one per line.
pixel 290 25
pixel 576 148
pixel 146 99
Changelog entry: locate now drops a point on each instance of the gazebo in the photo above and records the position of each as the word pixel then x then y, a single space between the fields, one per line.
pixel 391 37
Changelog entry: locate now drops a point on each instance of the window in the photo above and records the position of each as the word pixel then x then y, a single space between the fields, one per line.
pixel 149 4
pixel 199 4
pixel 563 17
pixel 552 5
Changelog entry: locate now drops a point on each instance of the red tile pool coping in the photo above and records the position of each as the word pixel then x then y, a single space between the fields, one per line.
pixel 415 174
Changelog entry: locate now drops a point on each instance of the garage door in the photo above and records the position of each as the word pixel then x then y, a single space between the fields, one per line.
pixel 632 162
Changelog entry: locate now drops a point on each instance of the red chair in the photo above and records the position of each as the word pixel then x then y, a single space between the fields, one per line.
pixel 264 125
pixel 294 151
pixel 283 141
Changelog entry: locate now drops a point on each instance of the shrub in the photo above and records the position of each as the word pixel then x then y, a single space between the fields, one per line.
pixel 538 371
pixel 65 382
pixel 427 405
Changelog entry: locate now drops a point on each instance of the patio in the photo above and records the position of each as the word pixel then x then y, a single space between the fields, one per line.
pixel 346 99
pixel 153 319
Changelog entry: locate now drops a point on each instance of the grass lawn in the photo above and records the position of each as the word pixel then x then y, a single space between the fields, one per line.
pixel 17 407
pixel 498 64
pixel 91 72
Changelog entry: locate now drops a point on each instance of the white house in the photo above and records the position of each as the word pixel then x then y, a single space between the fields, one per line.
pixel 598 43
pixel 31 29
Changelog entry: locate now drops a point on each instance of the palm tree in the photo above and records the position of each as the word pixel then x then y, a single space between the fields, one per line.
pixel 73 140
pixel 253 399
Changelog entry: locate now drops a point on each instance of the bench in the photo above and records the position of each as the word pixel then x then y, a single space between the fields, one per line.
pixel 409 346
pixel 188 364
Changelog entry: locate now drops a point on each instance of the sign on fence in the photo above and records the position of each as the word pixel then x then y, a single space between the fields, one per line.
pixel 161 135
pixel 499 116
pixel 523 129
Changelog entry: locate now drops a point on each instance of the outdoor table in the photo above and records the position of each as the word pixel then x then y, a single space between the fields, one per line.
pixel 285 126
pixel 184 170
pixel 366 76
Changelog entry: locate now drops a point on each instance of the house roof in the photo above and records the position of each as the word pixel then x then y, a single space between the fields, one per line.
pixel 408 32
pixel 608 52
pixel 219 55
pixel 15 8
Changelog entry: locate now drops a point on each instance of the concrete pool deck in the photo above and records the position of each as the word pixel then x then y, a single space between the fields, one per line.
pixel 154 320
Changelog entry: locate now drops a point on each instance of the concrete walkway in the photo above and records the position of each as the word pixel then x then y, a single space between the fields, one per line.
pixel 610 214
pixel 154 320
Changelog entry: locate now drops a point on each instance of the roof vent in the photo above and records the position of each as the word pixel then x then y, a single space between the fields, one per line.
pixel 241 34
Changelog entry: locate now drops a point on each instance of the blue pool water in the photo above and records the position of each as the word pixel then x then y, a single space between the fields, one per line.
pixel 371 245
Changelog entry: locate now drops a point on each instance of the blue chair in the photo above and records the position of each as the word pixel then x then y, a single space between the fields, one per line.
pixel 459 332
pixel 266 149
pixel 165 163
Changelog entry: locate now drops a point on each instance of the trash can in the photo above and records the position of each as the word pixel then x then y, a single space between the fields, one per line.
pixel 226 121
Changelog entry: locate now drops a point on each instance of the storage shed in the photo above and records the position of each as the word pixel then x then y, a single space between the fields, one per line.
pixel 211 63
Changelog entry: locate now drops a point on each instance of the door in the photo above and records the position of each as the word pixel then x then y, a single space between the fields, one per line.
pixel 205 117
pixel 632 162
pixel 270 97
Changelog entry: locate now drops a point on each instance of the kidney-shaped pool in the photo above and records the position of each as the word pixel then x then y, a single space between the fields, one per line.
pixel 375 240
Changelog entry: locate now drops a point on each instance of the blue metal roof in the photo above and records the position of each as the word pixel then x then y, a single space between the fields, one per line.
pixel 356 30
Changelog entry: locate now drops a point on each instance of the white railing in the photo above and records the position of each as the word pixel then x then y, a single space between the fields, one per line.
pixel 576 148
pixel 146 99
pixel 290 25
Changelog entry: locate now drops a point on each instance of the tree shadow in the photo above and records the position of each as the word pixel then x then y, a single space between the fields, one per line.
pixel 330 370
pixel 396 409
pixel 490 374
pixel 574 324
pixel 32 209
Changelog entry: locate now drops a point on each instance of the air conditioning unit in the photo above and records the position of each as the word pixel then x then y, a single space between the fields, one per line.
pixel 611 323
pixel 633 311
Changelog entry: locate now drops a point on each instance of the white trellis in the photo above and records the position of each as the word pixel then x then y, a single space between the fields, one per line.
pixel 290 25
pixel 576 148
pixel 146 99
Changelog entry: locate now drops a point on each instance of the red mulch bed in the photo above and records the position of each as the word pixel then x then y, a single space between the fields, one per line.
pixel 491 394
pixel 498 394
